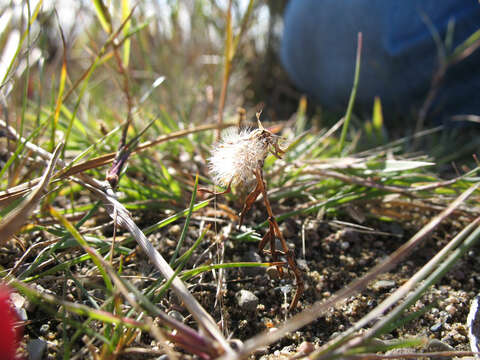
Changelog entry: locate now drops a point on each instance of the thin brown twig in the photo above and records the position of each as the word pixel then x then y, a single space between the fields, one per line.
pixel 227 68
pixel 123 152
pixel 274 231
pixel 101 53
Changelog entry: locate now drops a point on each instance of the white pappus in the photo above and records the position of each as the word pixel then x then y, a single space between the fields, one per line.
pixel 236 156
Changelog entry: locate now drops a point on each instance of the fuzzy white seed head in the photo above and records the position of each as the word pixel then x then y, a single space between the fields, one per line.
pixel 235 158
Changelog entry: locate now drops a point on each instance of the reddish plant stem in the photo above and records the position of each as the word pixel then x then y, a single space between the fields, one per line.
pixel 274 231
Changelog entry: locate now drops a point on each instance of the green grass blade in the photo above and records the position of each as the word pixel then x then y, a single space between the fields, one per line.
pixel 188 274
pixel 353 94
pixel 22 39
pixel 179 264
pixel 187 222
pixel 103 15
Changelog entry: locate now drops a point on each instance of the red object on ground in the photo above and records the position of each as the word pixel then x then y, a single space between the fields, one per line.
pixel 9 335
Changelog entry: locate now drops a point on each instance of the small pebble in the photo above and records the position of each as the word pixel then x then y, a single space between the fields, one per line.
pixel 36 348
pixel 302 264
pixel 436 327
pixel 176 315
pixel 17 300
pixel 451 309
pixel 175 230
pixel 305 348
pixel 396 353
pixel 452 300
pixel 383 285
pixel 44 329
pixel 437 345
pixel 170 243
pixel 272 272
pixel 288 349
pixel 247 300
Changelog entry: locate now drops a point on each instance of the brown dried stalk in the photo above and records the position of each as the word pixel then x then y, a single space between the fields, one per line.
pixel 273 233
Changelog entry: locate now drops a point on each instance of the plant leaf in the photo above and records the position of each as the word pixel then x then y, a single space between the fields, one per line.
pixel 103 15
pixel 403 165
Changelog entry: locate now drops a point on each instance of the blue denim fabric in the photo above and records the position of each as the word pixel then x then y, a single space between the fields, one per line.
pixel 399 54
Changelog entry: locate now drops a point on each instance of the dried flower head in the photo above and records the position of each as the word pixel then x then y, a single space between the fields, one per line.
pixel 235 158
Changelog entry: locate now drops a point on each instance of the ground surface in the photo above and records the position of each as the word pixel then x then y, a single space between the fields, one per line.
pixel 335 254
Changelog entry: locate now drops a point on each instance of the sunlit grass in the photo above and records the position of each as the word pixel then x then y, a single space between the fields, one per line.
pixel 158 88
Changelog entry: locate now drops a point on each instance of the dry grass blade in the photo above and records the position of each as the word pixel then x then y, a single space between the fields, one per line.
pixel 12 135
pixel 7 196
pixel 319 308
pixel 118 212
pixel 11 223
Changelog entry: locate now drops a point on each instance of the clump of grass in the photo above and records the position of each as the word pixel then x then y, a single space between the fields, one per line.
pixel 101 225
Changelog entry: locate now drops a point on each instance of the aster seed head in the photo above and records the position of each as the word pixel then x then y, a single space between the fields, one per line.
pixel 236 156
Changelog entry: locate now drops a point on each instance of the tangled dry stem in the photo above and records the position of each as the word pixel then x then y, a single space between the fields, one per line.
pixel 273 233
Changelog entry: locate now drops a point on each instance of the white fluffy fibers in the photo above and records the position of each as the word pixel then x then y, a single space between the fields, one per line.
pixel 235 158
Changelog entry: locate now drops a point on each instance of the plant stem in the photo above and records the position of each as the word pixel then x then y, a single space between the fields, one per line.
pixel 353 94
pixel 274 230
